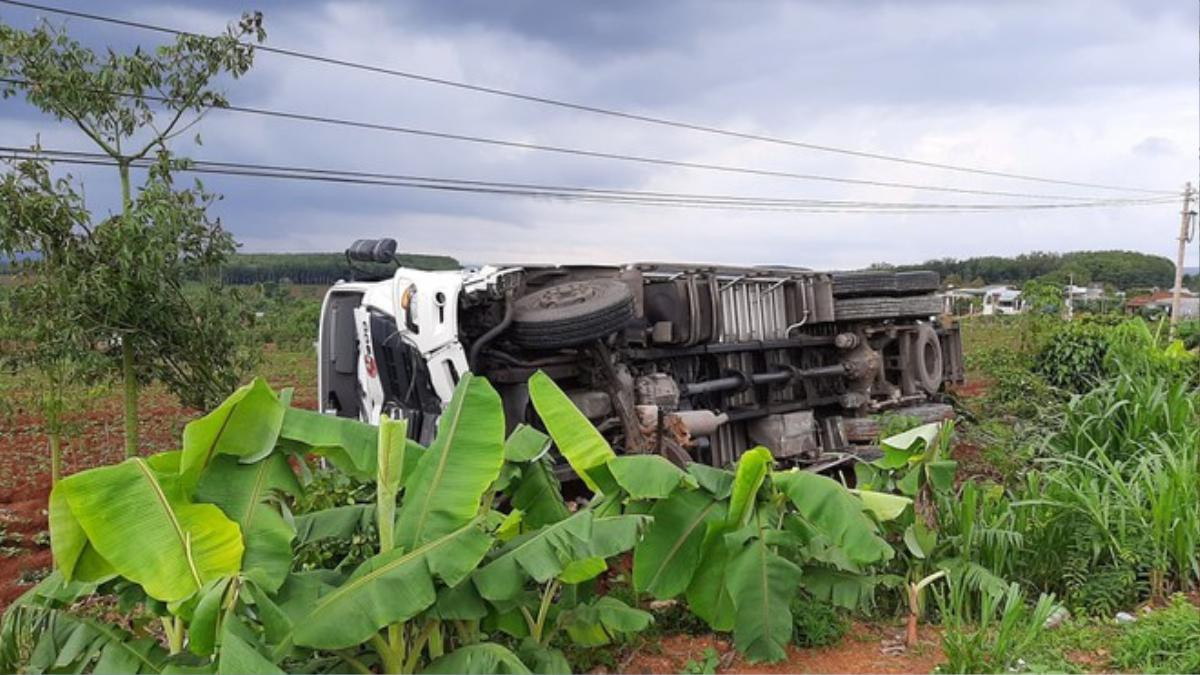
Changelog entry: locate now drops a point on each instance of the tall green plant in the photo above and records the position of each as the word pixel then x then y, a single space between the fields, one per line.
pixel 736 544
pixel 991 640
pixel 121 280
pixel 215 556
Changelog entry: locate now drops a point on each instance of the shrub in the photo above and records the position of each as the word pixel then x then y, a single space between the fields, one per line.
pixel 1073 358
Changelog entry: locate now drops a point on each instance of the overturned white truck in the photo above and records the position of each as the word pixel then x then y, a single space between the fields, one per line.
pixel 693 362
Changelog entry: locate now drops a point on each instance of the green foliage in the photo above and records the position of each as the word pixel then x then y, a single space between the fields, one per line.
pixel 992 639
pixel 1041 297
pixel 119 282
pixel 1099 590
pixel 1014 390
pixel 1189 333
pixel 891 424
pixel 1164 641
pixel 284 319
pixel 816 624
pixel 707 665
pixel 1123 269
pixel 1074 357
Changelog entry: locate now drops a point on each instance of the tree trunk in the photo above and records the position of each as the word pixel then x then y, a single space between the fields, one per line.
pixel 128 374
pixel 55 457
pixel 131 397
pixel 914 615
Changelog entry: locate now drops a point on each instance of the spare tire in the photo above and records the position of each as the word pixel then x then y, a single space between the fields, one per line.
pixel 926 359
pixel 866 282
pixel 570 314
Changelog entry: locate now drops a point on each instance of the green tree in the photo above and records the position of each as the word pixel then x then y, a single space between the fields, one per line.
pixel 122 280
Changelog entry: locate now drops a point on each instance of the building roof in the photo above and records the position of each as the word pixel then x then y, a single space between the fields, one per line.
pixel 1156 297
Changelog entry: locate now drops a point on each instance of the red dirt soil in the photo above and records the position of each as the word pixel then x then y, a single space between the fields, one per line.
pixel 972 388
pixel 23 516
pixel 94 438
pixel 860 651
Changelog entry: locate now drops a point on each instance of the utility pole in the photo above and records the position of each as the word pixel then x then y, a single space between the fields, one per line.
pixel 1185 231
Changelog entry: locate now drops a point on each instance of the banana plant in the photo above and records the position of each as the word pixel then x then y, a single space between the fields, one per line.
pixel 736 544
pixel 216 537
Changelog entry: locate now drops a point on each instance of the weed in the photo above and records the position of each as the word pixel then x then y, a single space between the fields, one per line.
pixel 1164 641
pixel 995 638
pixel 1076 646
pixel 677 619
pixel 816 623
pixel 32 575
pixel 706 666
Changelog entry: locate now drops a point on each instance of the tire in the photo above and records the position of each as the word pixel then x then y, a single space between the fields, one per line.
pixel 926 359
pixel 854 309
pixel 870 282
pixel 918 281
pixel 919 306
pixel 571 314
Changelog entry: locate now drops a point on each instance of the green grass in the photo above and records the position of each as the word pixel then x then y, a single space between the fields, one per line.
pixel 1165 641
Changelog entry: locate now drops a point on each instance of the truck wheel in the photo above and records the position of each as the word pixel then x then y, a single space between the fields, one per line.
pixel 918 281
pixel 869 282
pixel 926 358
pixel 853 309
pixel 919 305
pixel 570 314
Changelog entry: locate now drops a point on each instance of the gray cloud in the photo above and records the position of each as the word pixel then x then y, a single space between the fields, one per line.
pixel 1095 91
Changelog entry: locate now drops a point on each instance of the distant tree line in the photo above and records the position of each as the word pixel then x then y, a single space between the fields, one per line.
pixel 314 268
pixel 1119 269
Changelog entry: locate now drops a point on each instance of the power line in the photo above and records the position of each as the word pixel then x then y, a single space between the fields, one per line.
pixel 594 154
pixel 679 200
pixel 648 119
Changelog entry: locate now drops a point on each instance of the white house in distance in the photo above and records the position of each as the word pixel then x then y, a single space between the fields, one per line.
pixel 1001 299
pixel 995 299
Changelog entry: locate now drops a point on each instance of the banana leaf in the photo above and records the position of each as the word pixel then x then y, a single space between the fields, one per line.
pixel 648 476
pixel 752 469
pixel 178 547
pixel 390 587
pixel 245 492
pixel 762 584
pixel 478 659
pixel 245 425
pixel 444 490
pixel 667 557
pixel 578 441
pixel 831 511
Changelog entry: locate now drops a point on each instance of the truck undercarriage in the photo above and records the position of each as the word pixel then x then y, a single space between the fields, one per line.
pixel 696 363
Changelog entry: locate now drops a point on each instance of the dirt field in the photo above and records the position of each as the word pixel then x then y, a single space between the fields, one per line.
pixel 866 648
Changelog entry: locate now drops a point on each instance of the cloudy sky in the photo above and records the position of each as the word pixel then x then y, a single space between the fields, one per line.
pixel 1089 90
